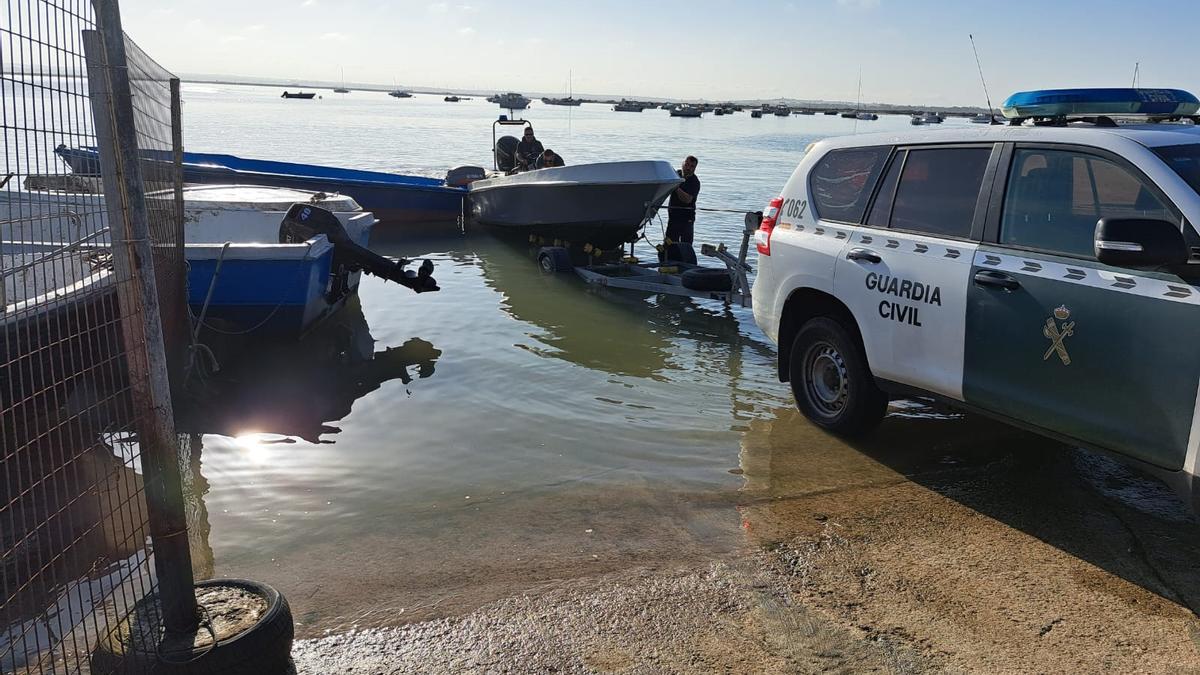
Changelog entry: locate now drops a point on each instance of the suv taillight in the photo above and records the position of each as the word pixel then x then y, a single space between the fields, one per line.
pixel 762 238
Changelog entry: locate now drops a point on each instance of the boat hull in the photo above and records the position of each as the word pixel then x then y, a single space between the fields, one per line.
pixel 392 198
pixel 600 204
pixel 276 290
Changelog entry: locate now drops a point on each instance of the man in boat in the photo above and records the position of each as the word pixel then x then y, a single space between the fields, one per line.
pixel 681 209
pixel 550 159
pixel 528 150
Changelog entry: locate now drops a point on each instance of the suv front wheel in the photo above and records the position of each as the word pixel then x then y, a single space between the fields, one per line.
pixel 831 381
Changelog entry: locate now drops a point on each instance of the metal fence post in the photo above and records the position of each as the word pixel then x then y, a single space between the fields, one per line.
pixel 112 107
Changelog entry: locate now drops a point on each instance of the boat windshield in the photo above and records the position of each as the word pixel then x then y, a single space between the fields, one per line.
pixel 1185 160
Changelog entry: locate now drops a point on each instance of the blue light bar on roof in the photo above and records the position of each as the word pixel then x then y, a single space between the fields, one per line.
pixel 1088 102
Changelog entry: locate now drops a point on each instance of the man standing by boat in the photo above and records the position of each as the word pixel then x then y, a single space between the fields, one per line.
pixel 528 150
pixel 681 210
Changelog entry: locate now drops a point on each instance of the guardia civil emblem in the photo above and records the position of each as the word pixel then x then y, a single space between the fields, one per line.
pixel 1057 334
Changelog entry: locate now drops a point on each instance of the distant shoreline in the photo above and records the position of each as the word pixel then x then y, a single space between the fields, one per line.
pixel 815 104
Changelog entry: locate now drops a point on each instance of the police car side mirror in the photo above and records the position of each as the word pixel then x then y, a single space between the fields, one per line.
pixel 1140 242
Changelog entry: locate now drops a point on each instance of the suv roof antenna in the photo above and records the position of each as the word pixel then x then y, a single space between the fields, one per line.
pixel 986 95
pixel 1136 67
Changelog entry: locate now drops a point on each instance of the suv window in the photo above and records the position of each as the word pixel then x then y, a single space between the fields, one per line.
pixel 938 190
pixel 1185 160
pixel 1055 197
pixel 842 181
pixel 881 210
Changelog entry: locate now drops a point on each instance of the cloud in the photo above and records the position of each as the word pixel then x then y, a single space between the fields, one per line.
pixel 859 4
pixel 466 31
pixel 334 37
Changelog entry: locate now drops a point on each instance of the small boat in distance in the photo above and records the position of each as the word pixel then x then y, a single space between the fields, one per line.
pixel 756 114
pixel 629 106
pixel 869 116
pixel 399 93
pixel 510 101
pixel 568 101
pixel 298 94
pixel 984 118
pixel 917 120
pixel 831 112
pixel 782 111
pixel 342 89
pixel 452 99
pixel 686 110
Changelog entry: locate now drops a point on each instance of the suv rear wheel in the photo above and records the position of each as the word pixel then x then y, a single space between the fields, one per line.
pixel 831 381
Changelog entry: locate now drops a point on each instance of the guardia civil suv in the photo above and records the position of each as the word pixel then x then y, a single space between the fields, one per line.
pixel 1045 272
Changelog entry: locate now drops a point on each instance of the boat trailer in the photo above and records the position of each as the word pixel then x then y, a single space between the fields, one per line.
pixel 730 285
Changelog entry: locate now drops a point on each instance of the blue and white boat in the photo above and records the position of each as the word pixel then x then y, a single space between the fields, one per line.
pixel 391 197
pixel 240 277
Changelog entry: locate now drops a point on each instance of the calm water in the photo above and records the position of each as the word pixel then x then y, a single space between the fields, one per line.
pixel 423 453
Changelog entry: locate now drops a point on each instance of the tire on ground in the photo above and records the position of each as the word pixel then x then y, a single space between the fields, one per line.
pixel 706 279
pixel 846 401
pixel 553 259
pixel 265 647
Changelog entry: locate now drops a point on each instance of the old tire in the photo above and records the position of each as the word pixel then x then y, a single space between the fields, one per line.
pixel 831 380
pixel 554 259
pixel 706 279
pixel 678 252
pixel 265 647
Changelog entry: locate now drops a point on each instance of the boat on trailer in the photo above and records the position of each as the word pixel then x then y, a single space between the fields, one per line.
pixel 391 197
pixel 604 204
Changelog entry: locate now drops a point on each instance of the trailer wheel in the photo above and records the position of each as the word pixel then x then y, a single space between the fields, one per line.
pixel 706 279
pixel 553 259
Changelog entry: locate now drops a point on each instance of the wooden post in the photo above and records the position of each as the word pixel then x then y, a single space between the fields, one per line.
pixel 116 133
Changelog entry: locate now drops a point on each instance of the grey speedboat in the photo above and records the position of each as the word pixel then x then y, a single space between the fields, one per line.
pixel 603 204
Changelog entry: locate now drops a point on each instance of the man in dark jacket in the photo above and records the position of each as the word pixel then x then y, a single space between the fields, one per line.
pixel 528 150
pixel 681 212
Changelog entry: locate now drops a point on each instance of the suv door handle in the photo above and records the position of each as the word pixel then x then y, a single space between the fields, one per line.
pixel 996 280
pixel 863 255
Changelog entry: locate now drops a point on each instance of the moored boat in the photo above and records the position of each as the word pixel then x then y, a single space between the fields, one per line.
pixel 391 197
pixel 400 93
pixel 629 106
pixel 510 101
pixel 603 204
pixel 686 110
pixel 568 101
pixel 298 94
pixel 241 273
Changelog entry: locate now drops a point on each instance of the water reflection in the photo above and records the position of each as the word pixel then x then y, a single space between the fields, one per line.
pixel 620 332
pixel 298 389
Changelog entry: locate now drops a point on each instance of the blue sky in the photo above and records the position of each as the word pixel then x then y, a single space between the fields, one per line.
pixel 909 52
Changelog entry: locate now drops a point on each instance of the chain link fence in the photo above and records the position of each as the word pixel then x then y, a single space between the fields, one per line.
pixel 74 524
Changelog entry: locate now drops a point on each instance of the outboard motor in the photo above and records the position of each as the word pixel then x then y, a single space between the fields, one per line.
pixel 305 221
pixel 462 176
pixel 506 153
